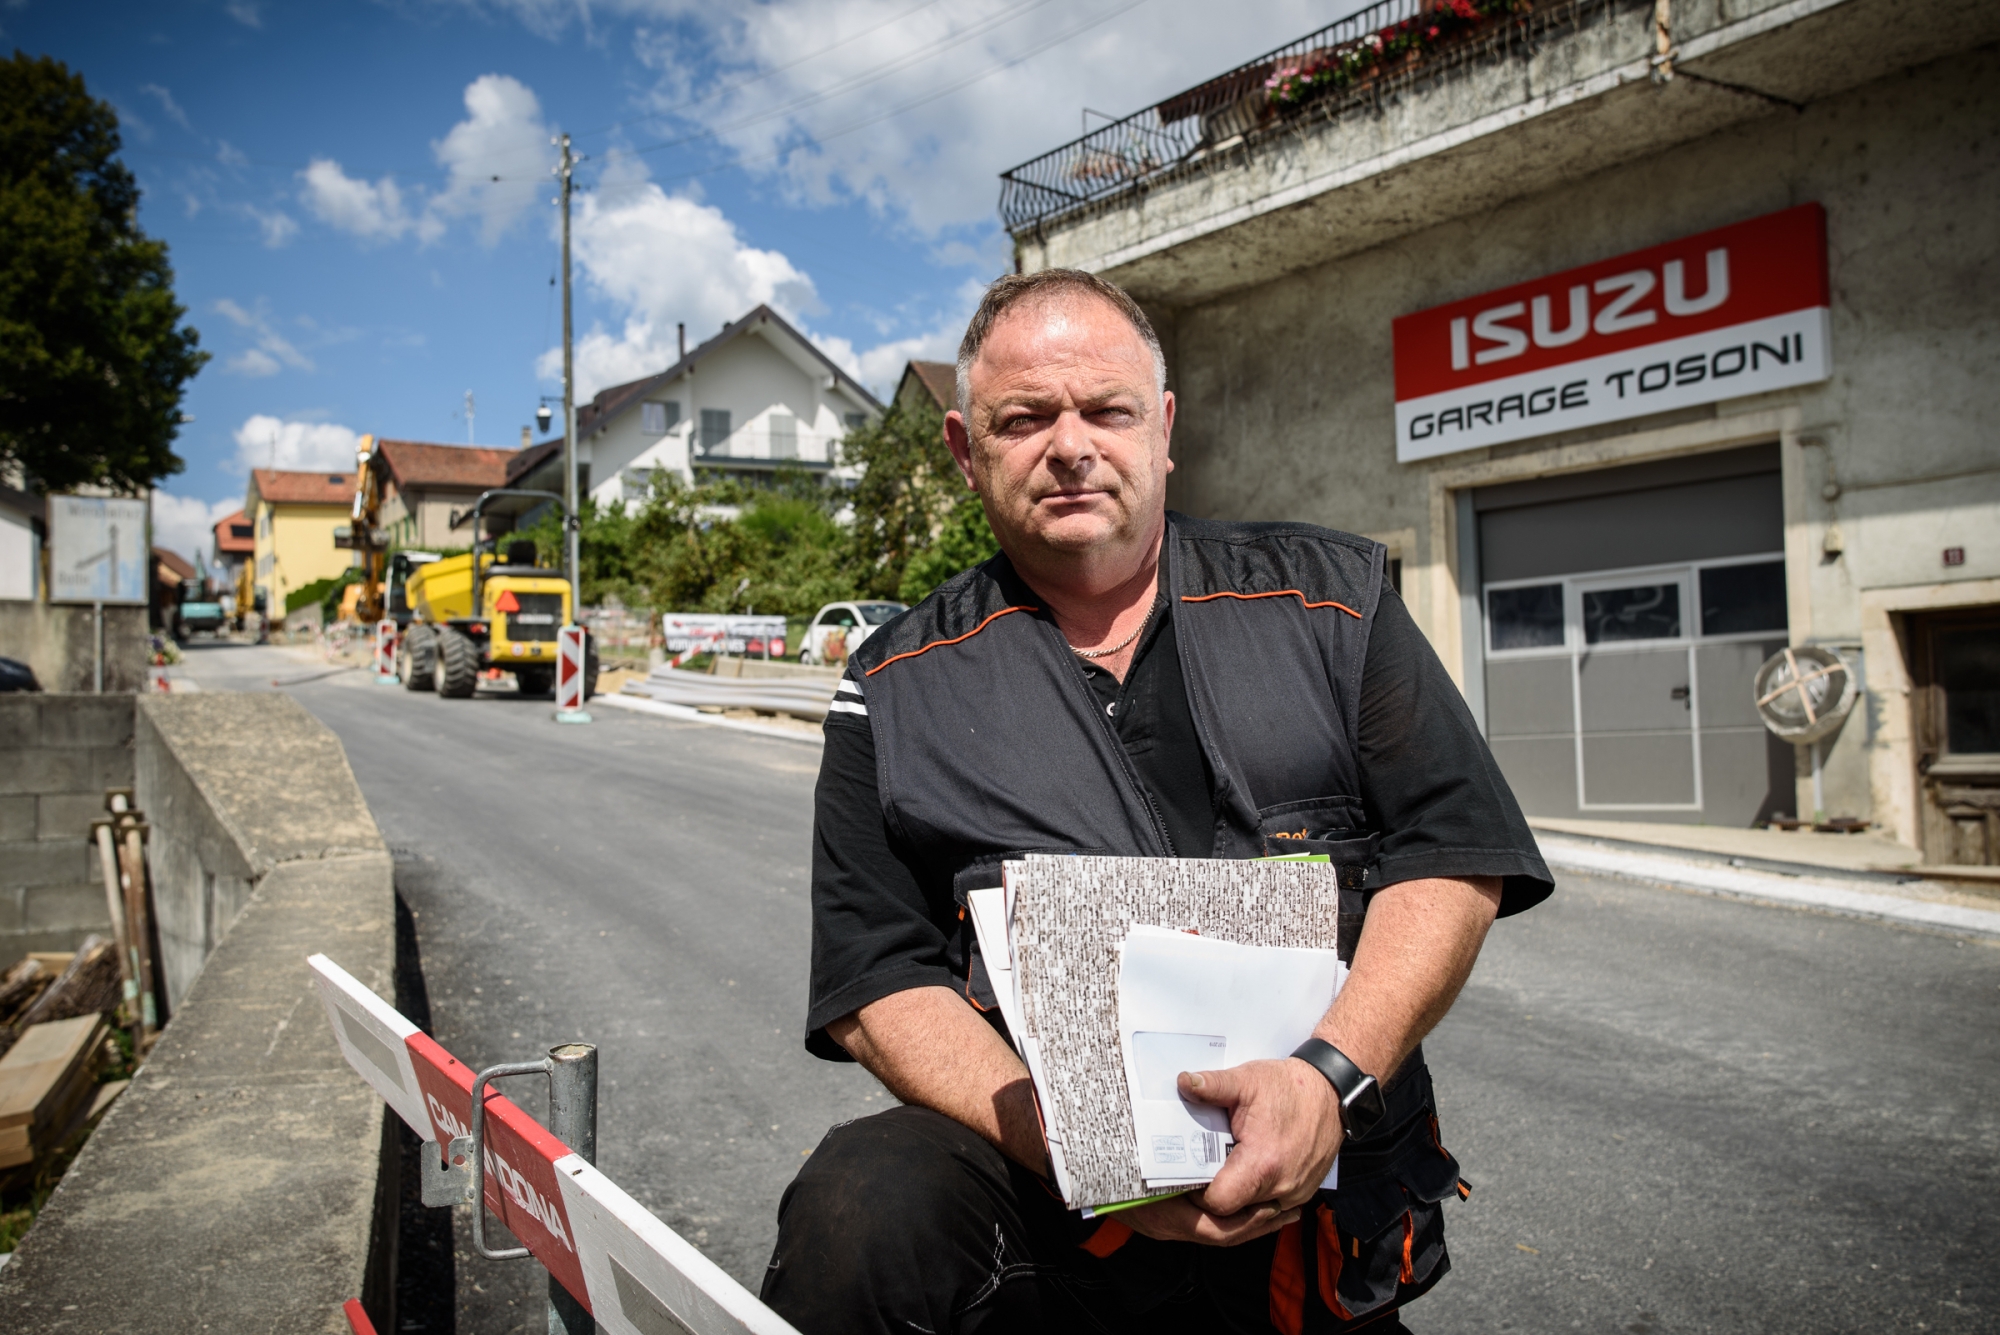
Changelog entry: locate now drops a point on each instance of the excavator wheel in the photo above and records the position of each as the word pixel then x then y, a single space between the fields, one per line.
pixel 590 667
pixel 418 653
pixel 456 670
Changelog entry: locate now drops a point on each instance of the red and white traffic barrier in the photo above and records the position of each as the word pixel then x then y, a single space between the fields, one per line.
pixel 634 1274
pixel 570 675
pixel 385 651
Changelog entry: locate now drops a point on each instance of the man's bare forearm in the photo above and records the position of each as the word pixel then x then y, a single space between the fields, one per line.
pixel 932 1049
pixel 1418 944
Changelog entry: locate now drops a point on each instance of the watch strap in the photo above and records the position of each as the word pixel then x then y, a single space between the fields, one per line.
pixel 1361 1104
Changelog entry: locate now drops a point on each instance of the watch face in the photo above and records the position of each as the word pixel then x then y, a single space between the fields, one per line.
pixel 1365 1108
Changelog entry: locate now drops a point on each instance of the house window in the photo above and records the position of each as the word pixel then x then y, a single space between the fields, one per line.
pixel 855 421
pixel 784 436
pixel 657 419
pixel 714 428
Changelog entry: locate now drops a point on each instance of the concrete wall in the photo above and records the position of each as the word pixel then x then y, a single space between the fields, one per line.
pixel 58 755
pixel 239 1184
pixel 1286 386
pixel 295 547
pixel 59 641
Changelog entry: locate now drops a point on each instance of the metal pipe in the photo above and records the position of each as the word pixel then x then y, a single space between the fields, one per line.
pixel 479 1082
pixel 573 1121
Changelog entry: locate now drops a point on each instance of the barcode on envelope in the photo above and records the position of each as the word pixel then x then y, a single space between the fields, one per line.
pixel 1207 1147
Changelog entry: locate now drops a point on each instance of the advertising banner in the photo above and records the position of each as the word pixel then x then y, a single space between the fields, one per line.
pixel 1740 310
pixel 710 632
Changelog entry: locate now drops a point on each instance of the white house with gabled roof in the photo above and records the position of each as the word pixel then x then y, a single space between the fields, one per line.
pixel 756 398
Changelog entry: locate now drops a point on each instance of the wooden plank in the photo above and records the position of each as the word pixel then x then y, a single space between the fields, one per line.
pixel 34 1068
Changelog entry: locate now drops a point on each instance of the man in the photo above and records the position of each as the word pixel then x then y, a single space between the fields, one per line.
pixel 1127 681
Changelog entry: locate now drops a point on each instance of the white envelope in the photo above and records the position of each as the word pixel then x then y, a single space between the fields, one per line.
pixel 1188 1003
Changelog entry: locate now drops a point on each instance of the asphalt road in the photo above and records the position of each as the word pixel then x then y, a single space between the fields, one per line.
pixel 1679 1114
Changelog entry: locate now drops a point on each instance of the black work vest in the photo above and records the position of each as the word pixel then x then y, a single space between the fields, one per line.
pixel 990 744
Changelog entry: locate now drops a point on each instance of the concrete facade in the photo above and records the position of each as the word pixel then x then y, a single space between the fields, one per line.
pixel 1274 275
pixel 294 516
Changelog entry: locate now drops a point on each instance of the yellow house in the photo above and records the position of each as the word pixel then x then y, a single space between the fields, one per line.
pixel 294 516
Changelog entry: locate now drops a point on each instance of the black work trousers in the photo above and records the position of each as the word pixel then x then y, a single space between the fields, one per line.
pixel 909 1222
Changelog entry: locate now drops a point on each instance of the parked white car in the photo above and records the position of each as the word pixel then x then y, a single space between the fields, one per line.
pixel 838 627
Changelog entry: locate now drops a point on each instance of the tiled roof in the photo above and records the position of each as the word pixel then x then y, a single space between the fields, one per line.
pixel 175 562
pixel 939 378
pixel 227 541
pixel 282 487
pixel 414 463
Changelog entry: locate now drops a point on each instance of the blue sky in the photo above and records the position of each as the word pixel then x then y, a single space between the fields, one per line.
pixel 323 176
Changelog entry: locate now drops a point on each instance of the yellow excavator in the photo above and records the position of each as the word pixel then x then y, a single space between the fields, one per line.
pixel 474 613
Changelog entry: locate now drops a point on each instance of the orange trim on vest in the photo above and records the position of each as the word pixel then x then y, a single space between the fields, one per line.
pixel 1409 1274
pixel 937 644
pixel 1288 1281
pixel 1109 1237
pixel 1276 593
pixel 1330 1260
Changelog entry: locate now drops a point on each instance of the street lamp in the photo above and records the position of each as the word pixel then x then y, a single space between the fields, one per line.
pixel 542 418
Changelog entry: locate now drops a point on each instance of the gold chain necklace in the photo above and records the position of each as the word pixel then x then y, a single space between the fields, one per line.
pixel 1106 653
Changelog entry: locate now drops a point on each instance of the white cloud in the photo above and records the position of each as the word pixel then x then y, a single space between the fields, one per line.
pixel 229 155
pixel 167 104
pixel 374 212
pixel 277 226
pixel 496 163
pixel 270 353
pixel 246 12
pixel 264 441
pixel 664 259
pixel 497 157
pixel 982 92
pixel 185 526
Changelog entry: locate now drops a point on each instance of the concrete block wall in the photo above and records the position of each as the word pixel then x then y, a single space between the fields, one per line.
pixel 59 641
pixel 58 755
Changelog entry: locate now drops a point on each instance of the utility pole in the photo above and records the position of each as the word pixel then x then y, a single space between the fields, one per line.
pixel 571 524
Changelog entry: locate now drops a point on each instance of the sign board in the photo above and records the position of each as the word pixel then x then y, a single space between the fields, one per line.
pixel 635 1275
pixel 706 632
pixel 1736 311
pixel 97 550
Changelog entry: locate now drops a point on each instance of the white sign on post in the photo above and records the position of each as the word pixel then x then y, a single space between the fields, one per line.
pixel 570 676
pixel 97 550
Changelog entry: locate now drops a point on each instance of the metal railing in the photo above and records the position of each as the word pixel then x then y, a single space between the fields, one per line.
pixel 1333 67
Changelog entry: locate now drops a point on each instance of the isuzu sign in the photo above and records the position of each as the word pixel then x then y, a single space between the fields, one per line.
pixel 1740 310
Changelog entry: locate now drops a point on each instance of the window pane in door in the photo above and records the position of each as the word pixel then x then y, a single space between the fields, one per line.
pixel 1643 612
pixel 1736 600
pixel 714 428
pixel 1530 618
pixel 1968 667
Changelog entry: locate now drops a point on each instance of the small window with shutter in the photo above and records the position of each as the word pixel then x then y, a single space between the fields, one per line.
pixel 657 419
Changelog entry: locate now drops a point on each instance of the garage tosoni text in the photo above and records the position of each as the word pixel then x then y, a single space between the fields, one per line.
pixel 1622 338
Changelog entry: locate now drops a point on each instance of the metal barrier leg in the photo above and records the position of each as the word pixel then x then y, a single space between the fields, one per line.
pixel 573 1121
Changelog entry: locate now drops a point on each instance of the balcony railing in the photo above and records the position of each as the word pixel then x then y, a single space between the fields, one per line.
pixel 1324 71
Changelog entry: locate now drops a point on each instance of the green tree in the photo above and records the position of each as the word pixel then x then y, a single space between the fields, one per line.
pixel 726 546
pixel 92 354
pixel 915 523
pixel 604 551
pixel 963 541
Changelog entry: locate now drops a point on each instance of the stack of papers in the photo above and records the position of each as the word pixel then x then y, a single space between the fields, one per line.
pixel 1116 974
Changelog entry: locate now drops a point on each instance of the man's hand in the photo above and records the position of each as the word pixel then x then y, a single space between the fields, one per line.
pixel 1179 1219
pixel 1286 1121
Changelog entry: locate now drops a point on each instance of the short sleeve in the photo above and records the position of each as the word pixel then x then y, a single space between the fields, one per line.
pixel 873 933
pixel 1427 777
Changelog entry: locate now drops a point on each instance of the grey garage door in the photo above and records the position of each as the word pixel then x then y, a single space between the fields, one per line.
pixel 1625 613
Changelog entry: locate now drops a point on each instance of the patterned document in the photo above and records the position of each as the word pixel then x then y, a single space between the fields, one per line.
pixel 1067 918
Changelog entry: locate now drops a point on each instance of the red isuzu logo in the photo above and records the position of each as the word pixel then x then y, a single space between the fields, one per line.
pixel 1736 311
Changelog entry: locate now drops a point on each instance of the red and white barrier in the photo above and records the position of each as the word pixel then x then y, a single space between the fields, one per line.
pixel 385 650
pixel 634 1274
pixel 570 675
